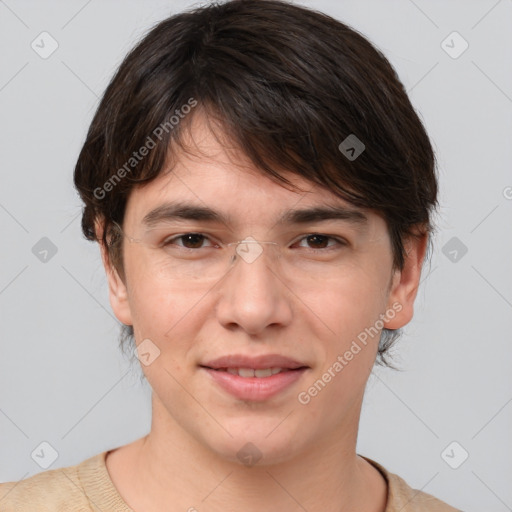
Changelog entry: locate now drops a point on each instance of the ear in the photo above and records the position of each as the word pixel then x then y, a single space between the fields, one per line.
pixel 118 294
pixel 405 283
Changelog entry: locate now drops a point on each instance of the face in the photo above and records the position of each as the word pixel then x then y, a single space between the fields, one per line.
pixel 277 350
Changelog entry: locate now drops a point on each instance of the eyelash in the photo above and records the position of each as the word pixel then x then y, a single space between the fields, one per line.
pixel 338 241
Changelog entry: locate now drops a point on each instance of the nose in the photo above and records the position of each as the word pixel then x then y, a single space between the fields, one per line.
pixel 252 296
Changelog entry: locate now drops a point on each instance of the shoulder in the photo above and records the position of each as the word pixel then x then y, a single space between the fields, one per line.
pixel 51 490
pixel 403 498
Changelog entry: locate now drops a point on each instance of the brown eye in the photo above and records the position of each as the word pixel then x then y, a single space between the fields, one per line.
pixel 188 241
pixel 193 240
pixel 322 243
pixel 318 241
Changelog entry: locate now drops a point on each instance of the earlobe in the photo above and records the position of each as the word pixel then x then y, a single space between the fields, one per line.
pixel 118 294
pixel 406 282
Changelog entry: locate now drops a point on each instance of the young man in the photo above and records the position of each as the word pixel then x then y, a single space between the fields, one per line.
pixel 262 190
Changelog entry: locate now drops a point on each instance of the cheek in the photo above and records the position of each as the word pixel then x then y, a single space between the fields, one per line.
pixel 348 312
pixel 347 305
pixel 161 309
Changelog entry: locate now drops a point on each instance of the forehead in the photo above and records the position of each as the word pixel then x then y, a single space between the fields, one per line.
pixel 216 180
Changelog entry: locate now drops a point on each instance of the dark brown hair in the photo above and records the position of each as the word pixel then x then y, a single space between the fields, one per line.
pixel 288 84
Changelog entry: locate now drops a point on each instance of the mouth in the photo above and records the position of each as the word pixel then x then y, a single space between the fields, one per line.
pixel 259 373
pixel 254 378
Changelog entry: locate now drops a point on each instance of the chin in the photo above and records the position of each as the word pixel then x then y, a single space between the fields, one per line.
pixel 256 443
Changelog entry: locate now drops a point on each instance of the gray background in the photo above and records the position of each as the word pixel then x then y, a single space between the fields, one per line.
pixel 63 379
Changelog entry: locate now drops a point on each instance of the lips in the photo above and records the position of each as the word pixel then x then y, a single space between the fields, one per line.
pixel 254 378
pixel 251 372
pixel 256 363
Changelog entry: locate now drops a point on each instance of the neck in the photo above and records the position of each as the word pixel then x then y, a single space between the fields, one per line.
pixel 171 467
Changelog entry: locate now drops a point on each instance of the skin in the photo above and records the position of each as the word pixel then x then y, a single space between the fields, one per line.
pixel 189 458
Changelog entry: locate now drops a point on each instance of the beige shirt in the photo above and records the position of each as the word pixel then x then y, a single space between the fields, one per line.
pixel 87 487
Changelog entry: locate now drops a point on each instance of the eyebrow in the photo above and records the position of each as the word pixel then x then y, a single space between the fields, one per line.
pixel 186 211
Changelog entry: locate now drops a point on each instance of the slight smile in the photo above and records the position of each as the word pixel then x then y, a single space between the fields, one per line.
pixel 254 378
